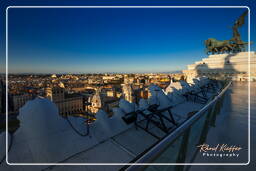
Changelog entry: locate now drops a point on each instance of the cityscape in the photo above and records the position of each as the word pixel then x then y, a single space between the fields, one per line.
pixel 76 94
pixel 128 88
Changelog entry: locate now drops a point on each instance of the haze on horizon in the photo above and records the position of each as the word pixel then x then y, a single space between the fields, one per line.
pixel 114 40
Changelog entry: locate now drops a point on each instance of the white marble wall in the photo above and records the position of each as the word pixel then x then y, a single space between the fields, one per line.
pixel 223 64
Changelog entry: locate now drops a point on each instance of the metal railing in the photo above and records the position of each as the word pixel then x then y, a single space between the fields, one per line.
pixel 192 131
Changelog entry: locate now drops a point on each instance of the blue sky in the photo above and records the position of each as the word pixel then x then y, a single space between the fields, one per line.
pixel 113 40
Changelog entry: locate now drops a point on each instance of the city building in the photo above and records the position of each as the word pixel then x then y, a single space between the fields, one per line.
pixel 128 79
pixel 20 100
pixel 128 92
pixel 67 103
pixel 96 102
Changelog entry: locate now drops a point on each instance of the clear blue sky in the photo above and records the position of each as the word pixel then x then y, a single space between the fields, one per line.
pixel 113 40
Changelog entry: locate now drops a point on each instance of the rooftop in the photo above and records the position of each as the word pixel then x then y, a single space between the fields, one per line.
pixel 46 137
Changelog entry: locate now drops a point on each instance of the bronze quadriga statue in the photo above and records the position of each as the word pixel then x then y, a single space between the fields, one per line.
pixel 234 45
pixel 214 46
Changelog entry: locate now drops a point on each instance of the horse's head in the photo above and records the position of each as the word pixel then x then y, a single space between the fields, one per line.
pixel 209 42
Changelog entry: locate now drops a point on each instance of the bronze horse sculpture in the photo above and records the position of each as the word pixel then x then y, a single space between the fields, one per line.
pixel 235 44
pixel 215 46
